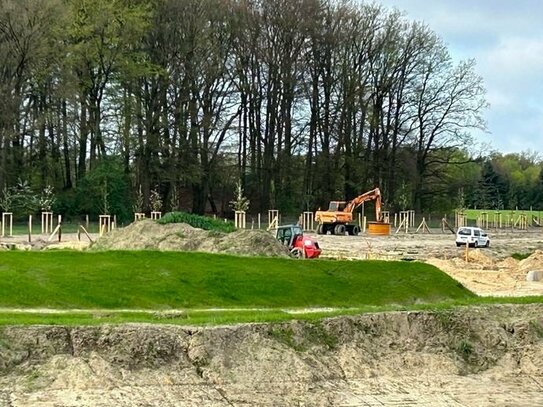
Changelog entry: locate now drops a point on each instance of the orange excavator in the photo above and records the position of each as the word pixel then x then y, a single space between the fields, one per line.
pixel 337 219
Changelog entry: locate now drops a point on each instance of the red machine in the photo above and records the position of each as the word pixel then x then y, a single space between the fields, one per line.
pixel 300 246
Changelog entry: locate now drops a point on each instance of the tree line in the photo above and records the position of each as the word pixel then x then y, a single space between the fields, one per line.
pixel 302 101
pixel 510 181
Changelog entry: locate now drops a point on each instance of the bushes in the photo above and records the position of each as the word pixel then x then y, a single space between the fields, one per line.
pixel 197 221
pixel 521 256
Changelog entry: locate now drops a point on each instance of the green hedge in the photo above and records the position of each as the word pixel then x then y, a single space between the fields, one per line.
pixel 197 221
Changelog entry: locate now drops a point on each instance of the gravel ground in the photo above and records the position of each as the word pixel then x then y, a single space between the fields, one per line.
pixel 424 246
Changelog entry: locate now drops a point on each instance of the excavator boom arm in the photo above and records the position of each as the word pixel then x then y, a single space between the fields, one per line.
pixel 374 194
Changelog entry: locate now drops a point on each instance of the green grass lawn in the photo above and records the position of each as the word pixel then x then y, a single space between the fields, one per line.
pixel 166 280
pixel 473 214
pixel 133 286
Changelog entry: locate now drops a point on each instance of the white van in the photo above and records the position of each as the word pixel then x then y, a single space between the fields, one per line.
pixel 475 237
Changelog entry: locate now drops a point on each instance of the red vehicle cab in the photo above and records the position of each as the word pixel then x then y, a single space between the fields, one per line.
pixel 299 245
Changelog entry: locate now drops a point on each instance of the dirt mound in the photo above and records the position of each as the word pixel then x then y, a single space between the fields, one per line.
pixel 473 356
pixel 483 275
pixel 533 262
pixel 24 245
pixel 147 234
pixel 479 257
pixel 476 261
pixel 508 263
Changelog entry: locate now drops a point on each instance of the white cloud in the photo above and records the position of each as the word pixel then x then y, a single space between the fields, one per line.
pixel 498 99
pixel 513 72
pixel 515 55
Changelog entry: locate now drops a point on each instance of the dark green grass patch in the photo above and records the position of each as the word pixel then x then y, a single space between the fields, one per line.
pixel 197 221
pixel 521 256
pixel 171 280
pixel 21 228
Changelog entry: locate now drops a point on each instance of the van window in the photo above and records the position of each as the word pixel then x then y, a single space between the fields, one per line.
pixel 464 232
pixel 476 232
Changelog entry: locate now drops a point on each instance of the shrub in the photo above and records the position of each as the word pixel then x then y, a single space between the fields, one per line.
pixel 521 256
pixel 464 349
pixel 197 221
pixel 155 200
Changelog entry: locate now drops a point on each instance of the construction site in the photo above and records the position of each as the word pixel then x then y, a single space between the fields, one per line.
pixel 467 356
pixel 400 236
pixel 271 203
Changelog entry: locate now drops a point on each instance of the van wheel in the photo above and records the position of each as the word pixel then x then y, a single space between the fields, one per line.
pixel 476 244
pixel 487 243
pixel 458 244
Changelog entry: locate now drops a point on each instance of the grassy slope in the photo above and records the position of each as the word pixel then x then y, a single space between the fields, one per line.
pixel 162 280
pixel 199 282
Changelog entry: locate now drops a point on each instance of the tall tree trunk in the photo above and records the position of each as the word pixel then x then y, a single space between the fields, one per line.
pixel 82 162
pixel 66 147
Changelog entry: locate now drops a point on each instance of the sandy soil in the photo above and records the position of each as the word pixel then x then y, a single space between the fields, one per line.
pixel 423 246
pixel 490 356
pixel 42 242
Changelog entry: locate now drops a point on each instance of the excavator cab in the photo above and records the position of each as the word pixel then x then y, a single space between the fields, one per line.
pixel 337 206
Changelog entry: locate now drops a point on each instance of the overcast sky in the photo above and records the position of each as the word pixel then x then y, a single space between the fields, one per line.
pixel 506 39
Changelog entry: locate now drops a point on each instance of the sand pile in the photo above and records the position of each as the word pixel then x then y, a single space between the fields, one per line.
pixel 534 262
pixel 484 275
pixel 477 260
pixel 481 258
pixel 147 234
pixel 507 264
